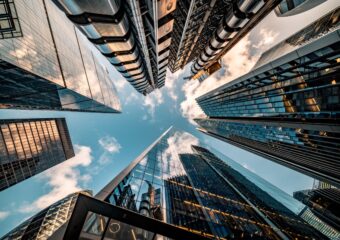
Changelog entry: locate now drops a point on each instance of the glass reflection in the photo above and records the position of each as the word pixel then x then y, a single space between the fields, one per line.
pixel 178 186
pixel 41 70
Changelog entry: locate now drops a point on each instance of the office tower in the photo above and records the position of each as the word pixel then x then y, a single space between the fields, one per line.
pixel 43 224
pixel 133 35
pixel 46 63
pixel 293 7
pixel 184 191
pixel 142 38
pixel 286 108
pixel 197 191
pixel 323 203
pixel 30 146
pixel 205 30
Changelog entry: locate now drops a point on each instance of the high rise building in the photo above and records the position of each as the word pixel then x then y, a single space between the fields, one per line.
pixel 292 7
pixel 142 38
pixel 46 222
pixel 184 191
pixel 287 108
pixel 133 35
pixel 46 63
pixel 323 203
pixel 197 191
pixel 205 30
pixel 30 146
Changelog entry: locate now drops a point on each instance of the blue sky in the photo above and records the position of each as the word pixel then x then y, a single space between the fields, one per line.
pixel 107 143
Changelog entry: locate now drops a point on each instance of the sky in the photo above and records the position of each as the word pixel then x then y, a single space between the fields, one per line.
pixel 106 143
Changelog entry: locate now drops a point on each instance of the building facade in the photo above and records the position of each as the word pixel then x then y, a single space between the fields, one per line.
pixel 194 189
pixel 293 7
pixel 322 202
pixel 142 38
pixel 181 191
pixel 30 146
pixel 46 222
pixel 205 30
pixel 40 68
pixel 287 108
pixel 134 36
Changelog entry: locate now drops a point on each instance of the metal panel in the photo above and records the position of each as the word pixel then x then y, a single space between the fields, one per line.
pixel 164 45
pixel 164 7
pixel 165 29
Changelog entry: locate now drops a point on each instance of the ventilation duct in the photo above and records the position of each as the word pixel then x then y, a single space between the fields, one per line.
pixel 243 10
pixel 107 25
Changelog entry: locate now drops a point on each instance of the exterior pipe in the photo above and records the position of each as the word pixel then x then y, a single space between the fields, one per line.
pixel 242 11
pixel 108 27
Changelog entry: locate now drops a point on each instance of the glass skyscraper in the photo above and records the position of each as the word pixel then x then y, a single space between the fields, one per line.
pixel 46 63
pixel 180 189
pixel 46 222
pixel 287 108
pixel 194 189
pixel 30 146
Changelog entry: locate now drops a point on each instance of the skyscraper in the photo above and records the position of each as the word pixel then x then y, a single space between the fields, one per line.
pixel 201 193
pixel 30 146
pixel 133 35
pixel 205 30
pixel 197 191
pixel 46 63
pixel 142 38
pixel 46 222
pixel 287 108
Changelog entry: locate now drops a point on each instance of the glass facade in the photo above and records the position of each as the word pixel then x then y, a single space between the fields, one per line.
pixel 292 7
pixel 46 222
pixel 287 108
pixel 314 221
pixel 300 146
pixel 42 70
pixel 182 186
pixel 324 203
pixel 9 23
pixel 303 87
pixel 30 146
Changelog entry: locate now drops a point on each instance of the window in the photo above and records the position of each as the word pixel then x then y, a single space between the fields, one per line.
pixel 9 23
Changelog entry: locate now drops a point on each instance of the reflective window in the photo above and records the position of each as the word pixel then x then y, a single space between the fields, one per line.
pixel 9 23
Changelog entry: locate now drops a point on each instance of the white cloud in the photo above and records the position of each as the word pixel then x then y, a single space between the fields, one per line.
pixel 105 158
pixel 4 215
pixel 268 37
pixel 63 179
pixel 171 83
pixel 235 63
pixel 179 143
pixel 110 144
pixel 238 61
pixel 120 84
pixel 132 97
pixel 153 100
